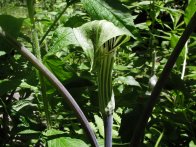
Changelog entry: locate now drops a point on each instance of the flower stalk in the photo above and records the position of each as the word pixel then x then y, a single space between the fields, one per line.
pixel 37 53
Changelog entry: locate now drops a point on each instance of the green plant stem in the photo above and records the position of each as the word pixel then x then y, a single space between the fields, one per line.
pixel 138 133
pixel 5 121
pixel 54 23
pixel 56 83
pixel 153 72
pixel 36 49
pixel 152 46
pixel 37 53
pixel 40 28
pixel 159 139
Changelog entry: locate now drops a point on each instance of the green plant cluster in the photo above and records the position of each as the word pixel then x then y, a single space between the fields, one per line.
pixel 32 111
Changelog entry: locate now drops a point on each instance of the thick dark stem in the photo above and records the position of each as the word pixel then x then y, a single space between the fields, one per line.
pixel 56 83
pixel 136 139
pixel 108 121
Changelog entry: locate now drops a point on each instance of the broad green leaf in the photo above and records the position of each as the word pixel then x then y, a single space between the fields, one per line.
pixel 56 138
pixel 58 67
pixel 129 80
pixel 100 125
pixel 112 11
pixel 91 36
pixel 64 39
pixel 190 10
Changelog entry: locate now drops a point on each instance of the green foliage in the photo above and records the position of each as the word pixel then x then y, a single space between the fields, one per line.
pixel 58 67
pixel 100 126
pixel 190 10
pixel 6 23
pixel 129 80
pixel 86 26
pixel 112 11
pixel 53 140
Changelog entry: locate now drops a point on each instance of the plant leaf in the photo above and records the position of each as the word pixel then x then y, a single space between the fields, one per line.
pixel 18 105
pixel 56 139
pixel 190 10
pixel 99 123
pixel 29 131
pixel 91 36
pixel 64 38
pixel 57 66
pixel 112 11
pixel 173 42
pixel 129 80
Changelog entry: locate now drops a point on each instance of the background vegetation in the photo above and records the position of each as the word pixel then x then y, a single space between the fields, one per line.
pixel 32 112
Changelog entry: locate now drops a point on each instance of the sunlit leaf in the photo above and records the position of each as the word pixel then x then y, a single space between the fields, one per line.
pixel 192 144
pixel 19 105
pixel 28 132
pixel 190 10
pixel 64 39
pixel 112 11
pixel 56 138
pixel 129 80
pixel 57 66
pixel 2 53
pixel 99 123
pixel 91 36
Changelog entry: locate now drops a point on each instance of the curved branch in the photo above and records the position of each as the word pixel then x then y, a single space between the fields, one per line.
pixel 136 139
pixel 56 83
